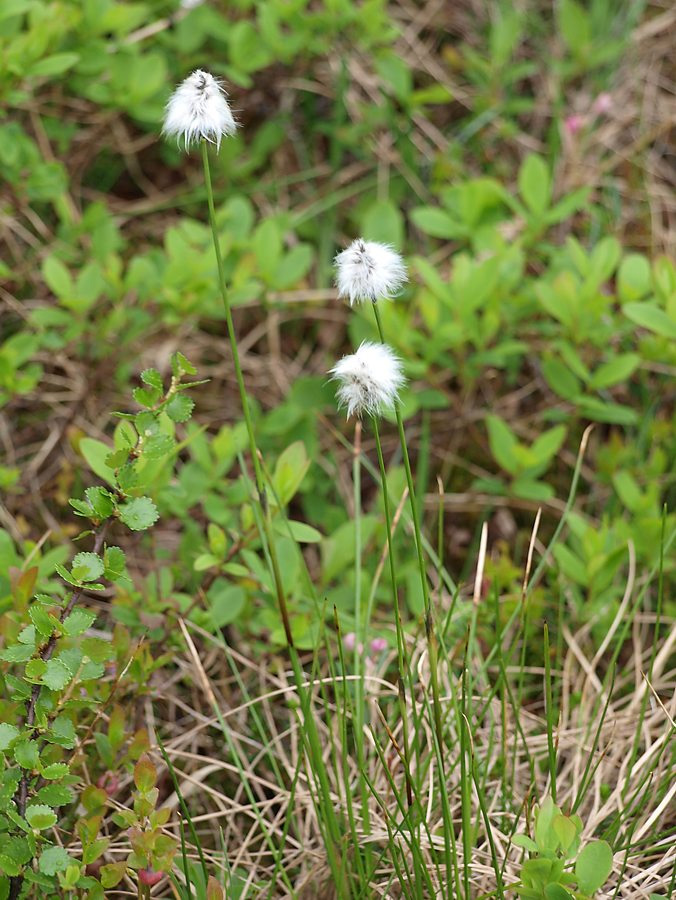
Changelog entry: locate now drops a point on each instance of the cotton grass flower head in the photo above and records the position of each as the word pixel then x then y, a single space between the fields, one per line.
pixel 368 270
pixel 369 380
pixel 198 110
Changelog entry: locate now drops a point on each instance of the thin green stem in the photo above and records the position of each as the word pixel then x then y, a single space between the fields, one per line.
pixel 244 400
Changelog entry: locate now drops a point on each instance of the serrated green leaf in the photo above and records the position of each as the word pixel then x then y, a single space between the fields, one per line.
pixel 40 816
pixel 39 616
pixel 66 575
pixel 62 732
pixel 180 407
pixel 114 561
pixel 55 795
pixel 17 653
pixel 180 365
pixel 55 771
pixel 101 501
pixel 54 859
pixel 157 446
pixel 86 566
pixel 139 513
pixel 78 621
pixel 147 397
pixel 27 754
pixel 35 669
pixel 8 734
pixel 57 675
pixel 152 378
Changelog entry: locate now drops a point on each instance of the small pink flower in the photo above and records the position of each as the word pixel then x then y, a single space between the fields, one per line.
pixel 349 642
pixel 378 645
pixel 573 124
pixel 150 876
pixel 603 104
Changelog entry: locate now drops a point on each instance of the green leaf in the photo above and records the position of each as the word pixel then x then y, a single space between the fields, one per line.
pixel 593 866
pixel 139 513
pixel 114 562
pixel 78 621
pixel 8 734
pixel 152 378
pixel 54 859
pixel 44 623
pixel 574 25
pixel 40 816
pixel 27 754
pixel 101 500
pixel 614 371
pixel 633 278
pixel 55 771
pixel 53 65
pixel 601 411
pixel 8 866
pixel 503 443
pixel 180 407
pixel 290 471
pixel 548 444
pixel 62 732
pixel 145 774
pixel 437 223
pixel 300 531
pixel 95 454
pixel 383 222
pixel 226 602
pixel 181 366
pixel 522 840
pixel 650 316
pixel 57 675
pixel 556 892
pixel 86 567
pixel 157 446
pixel 535 184
pixel 57 277
pixel 55 795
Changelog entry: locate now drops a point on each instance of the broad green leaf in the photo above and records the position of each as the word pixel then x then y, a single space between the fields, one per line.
pixel 55 795
pixel 57 675
pixel 87 567
pixel 503 443
pixel 54 859
pixel 614 371
pixel 437 223
pixel 114 562
pixel 300 531
pixel 95 453
pixel 383 222
pixel 55 771
pixel 180 407
pixel 138 513
pixel 548 444
pixel 290 471
pixel 593 866
pixel 40 816
pixel 145 774
pixel 634 278
pixel 650 316
pixel 522 840
pixel 535 184
pixel 27 754
pixel 78 621
pixel 226 602
pixel 8 734
pixel 101 500
pixel 556 892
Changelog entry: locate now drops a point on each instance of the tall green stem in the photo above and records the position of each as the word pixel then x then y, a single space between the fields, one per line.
pixel 429 625
pixel 244 400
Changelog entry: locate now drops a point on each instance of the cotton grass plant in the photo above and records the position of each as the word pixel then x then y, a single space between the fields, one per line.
pixel 416 769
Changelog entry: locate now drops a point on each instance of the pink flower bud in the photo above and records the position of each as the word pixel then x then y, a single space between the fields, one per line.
pixel 150 876
pixel 573 124
pixel 378 645
pixel 603 104
pixel 349 640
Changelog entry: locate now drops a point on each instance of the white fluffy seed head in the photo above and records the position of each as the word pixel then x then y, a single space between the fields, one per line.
pixel 368 270
pixel 369 380
pixel 198 110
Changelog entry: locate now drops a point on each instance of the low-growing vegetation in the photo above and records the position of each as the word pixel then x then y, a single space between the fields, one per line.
pixel 336 527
